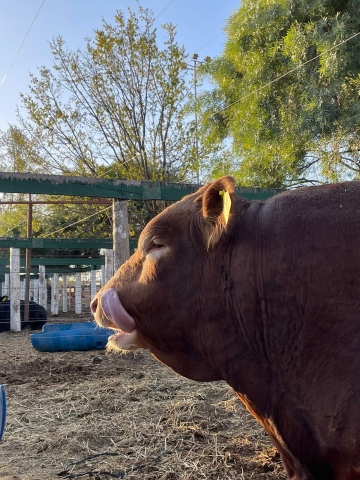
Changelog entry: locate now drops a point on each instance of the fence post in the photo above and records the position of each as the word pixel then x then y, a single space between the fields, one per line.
pixel 22 289
pixel 36 291
pixel 120 233
pixel 92 284
pixel 102 282
pixel 109 264
pixel 78 293
pixel 42 287
pixel 6 290
pixel 15 319
pixel 55 294
pixel 64 294
pixel 31 290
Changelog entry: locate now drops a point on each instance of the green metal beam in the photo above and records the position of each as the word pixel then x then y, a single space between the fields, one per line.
pixel 91 187
pixel 59 243
pixel 71 243
pixel 257 193
pixel 105 188
pixel 50 270
pixel 52 261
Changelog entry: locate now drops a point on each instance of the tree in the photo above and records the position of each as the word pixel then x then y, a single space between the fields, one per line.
pixel 287 92
pixel 118 107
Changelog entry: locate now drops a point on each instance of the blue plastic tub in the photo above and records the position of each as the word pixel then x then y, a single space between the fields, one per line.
pixel 66 337
pixel 54 327
pixel 2 410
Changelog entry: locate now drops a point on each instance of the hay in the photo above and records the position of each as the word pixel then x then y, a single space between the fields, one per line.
pixel 66 406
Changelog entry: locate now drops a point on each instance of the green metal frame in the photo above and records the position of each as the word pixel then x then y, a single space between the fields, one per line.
pixel 49 271
pixel 71 243
pixel 105 188
pixel 59 243
pixel 92 187
pixel 65 261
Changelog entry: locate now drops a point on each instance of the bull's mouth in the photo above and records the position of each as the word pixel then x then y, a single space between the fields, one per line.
pixel 127 335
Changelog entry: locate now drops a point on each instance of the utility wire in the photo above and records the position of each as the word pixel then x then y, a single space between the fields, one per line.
pixel 23 40
pixel 79 221
pixel 12 228
pixel 107 171
pixel 162 11
pixel 285 74
pixel 232 21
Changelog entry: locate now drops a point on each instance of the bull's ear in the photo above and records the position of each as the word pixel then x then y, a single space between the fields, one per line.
pixel 217 208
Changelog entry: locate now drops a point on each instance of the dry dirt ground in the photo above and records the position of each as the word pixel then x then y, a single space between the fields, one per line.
pixel 95 415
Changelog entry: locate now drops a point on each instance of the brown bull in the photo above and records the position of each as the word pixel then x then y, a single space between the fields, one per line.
pixel 264 295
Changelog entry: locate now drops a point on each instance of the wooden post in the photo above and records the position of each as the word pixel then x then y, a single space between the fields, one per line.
pixel 120 233
pixel 78 293
pixel 28 263
pixel 103 275
pixel 109 264
pixel 31 290
pixel 92 284
pixel 55 294
pixel 42 287
pixel 6 290
pixel 15 319
pixel 64 294
pixel 69 290
pixel 36 291
pixel 22 289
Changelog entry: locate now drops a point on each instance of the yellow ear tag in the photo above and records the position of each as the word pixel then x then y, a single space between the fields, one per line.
pixel 226 204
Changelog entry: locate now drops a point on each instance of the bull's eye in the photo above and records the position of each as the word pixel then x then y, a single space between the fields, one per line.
pixel 154 245
pixel 157 245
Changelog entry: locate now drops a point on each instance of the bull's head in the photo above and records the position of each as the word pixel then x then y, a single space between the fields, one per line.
pixel 165 297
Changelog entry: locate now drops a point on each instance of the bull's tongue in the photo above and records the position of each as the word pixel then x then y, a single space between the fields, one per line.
pixel 115 312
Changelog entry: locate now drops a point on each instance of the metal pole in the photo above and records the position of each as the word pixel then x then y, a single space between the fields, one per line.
pixel 195 56
pixel 28 263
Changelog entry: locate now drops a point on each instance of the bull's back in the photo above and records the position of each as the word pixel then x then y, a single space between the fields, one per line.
pixel 309 285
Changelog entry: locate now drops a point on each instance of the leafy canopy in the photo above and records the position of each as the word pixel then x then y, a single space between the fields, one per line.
pixel 286 92
pixel 117 109
pixel 120 103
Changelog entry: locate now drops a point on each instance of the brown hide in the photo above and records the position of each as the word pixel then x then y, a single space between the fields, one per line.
pixel 268 301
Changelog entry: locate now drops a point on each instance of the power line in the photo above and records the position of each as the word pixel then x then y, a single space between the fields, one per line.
pixel 23 40
pixel 12 228
pixel 232 21
pixel 285 74
pixel 79 221
pixel 162 11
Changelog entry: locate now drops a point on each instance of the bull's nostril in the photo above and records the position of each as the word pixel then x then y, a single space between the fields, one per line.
pixel 93 305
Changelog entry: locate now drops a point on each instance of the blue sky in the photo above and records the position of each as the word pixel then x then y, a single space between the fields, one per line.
pixel 197 21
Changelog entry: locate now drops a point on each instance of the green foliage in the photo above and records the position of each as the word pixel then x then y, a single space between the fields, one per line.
pixel 13 221
pixel 287 92
pixel 117 109
pixel 118 104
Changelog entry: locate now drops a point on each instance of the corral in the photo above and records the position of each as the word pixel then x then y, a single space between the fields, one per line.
pixel 98 415
pixel 67 406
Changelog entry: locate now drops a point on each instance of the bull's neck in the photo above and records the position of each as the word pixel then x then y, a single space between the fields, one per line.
pixel 236 344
